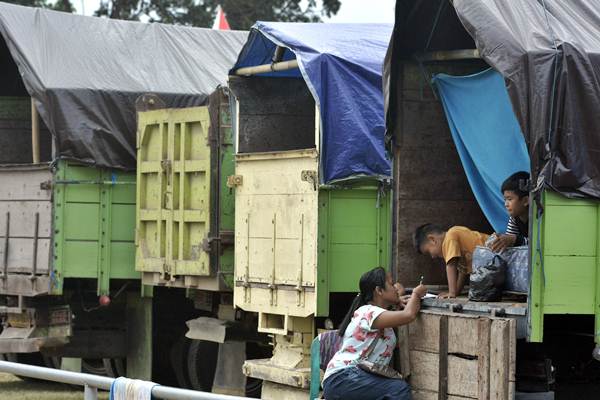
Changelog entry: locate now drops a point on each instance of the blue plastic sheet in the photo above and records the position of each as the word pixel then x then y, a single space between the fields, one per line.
pixel 342 66
pixel 486 134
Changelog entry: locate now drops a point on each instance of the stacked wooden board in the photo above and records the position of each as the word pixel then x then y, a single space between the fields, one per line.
pixel 459 356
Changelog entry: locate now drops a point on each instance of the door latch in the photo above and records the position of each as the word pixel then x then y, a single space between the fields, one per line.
pixel 234 180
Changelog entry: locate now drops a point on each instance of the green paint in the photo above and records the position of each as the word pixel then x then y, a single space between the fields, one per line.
pixel 567 282
pixel 94 223
pixel 226 194
pixel 354 236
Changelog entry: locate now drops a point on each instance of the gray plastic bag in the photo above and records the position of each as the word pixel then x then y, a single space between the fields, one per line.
pixel 488 276
pixel 517 273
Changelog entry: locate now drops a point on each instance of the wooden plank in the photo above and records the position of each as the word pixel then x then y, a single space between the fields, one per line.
pixel 22 285
pixel 462 332
pixel 499 359
pixel 443 358
pixel 463 337
pixel 462 374
pixel 424 370
pixel 20 255
pixel 22 218
pixel 462 377
pixel 483 358
pixel 404 350
pixel 24 185
pixel 424 334
pixel 512 358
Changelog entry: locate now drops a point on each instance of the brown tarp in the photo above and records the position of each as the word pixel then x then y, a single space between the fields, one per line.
pixel 86 73
pixel 548 52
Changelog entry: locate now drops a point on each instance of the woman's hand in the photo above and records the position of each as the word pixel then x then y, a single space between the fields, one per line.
pixel 420 290
pixel 403 301
pixel 399 288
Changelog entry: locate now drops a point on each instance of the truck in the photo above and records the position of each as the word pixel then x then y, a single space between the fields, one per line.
pixel 87 282
pixel 302 241
pixel 546 340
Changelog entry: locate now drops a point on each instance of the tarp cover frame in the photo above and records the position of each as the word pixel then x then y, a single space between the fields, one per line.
pixel 342 66
pixel 85 74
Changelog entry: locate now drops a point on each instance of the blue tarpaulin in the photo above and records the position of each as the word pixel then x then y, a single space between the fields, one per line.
pixel 342 66
pixel 486 134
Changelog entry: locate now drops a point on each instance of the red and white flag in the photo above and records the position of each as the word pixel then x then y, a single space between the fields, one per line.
pixel 221 20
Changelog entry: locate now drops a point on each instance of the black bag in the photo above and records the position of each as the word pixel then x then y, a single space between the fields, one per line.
pixel 488 276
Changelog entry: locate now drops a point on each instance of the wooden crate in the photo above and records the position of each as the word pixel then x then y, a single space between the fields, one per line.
pixel 460 356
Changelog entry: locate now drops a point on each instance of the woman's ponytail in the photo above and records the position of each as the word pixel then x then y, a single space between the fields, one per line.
pixel 358 302
pixel 368 282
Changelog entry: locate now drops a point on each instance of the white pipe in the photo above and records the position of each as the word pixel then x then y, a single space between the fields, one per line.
pixel 91 382
pixel 261 69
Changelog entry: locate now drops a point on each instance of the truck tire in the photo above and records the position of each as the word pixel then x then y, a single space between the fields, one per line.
pixel 201 364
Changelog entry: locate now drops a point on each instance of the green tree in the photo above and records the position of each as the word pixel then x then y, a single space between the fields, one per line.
pixel 241 14
pixel 59 5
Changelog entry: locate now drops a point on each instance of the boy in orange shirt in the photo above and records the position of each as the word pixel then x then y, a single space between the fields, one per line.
pixel 455 246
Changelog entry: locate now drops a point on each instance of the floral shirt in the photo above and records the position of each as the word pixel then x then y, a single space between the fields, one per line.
pixel 358 338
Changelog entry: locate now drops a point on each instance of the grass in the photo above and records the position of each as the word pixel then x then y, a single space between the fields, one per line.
pixel 14 388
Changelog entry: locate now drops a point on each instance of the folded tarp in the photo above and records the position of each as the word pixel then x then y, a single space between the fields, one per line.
pixel 548 52
pixel 342 66
pixel 85 74
pixel 486 134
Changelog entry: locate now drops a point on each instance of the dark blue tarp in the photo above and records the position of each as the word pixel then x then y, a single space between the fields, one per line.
pixel 486 134
pixel 342 66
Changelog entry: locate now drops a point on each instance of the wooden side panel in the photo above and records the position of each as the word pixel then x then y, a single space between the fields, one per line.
pixel 462 374
pixel 276 233
pixel 25 227
pixel 476 353
pixel 173 194
pixel 430 183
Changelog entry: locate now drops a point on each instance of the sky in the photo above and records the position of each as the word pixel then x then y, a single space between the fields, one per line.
pixel 350 11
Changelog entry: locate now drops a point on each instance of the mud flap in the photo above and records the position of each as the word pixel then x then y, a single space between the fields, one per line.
pixel 229 378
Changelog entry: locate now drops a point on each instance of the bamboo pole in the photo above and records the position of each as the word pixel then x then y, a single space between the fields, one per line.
pixel 35 133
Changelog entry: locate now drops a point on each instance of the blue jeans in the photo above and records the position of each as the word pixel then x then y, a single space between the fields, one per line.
pixel 353 383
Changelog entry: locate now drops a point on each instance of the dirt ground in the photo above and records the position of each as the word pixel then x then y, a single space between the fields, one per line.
pixel 14 388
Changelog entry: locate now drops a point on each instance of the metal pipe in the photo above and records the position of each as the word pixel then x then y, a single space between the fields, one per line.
pixel 92 383
pixel 56 375
pixel 90 393
pixel 448 55
pixel 261 69
pixel 35 133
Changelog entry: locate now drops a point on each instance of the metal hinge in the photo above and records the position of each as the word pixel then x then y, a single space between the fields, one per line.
pixel 310 176
pixel 234 180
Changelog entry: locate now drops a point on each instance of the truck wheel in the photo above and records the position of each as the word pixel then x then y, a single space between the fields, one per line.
pixel 202 363
pixel 93 366
pixel 179 363
pixel 114 367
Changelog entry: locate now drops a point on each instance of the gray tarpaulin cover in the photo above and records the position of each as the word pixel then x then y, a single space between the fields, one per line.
pixel 85 74
pixel 548 52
